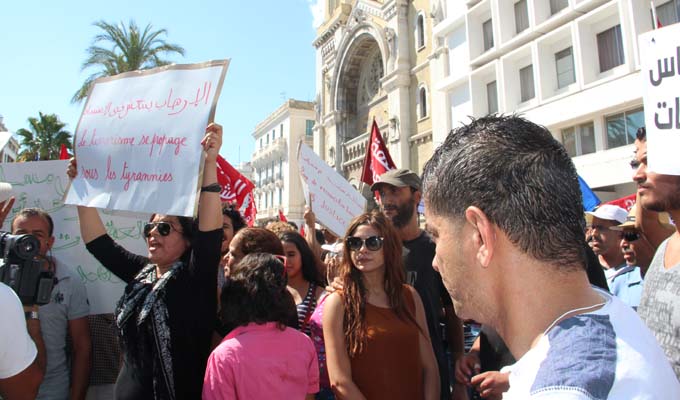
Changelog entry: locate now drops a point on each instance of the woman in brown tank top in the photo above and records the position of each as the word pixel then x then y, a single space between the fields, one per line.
pixel 377 342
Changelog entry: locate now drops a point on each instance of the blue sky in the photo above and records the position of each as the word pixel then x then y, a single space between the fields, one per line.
pixel 43 43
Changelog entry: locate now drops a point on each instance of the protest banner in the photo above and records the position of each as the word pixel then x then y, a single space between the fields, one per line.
pixel 334 200
pixel 660 74
pixel 42 184
pixel 138 139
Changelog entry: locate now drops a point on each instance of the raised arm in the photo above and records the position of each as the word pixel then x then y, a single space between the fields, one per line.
pixel 209 205
pixel 337 359
pixel 427 359
pixel 91 225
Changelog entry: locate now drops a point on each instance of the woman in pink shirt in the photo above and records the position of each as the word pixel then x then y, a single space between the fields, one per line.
pixel 260 358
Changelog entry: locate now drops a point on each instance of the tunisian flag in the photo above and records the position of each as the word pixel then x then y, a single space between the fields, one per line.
pixel 377 160
pixel 625 202
pixel 236 188
pixel 282 217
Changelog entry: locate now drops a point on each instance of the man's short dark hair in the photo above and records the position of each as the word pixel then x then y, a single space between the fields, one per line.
pixel 34 212
pixel 519 176
pixel 641 134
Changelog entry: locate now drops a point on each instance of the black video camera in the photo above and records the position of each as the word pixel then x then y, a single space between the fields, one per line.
pixel 29 276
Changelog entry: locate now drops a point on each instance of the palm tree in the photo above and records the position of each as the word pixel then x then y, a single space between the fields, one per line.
pixel 131 50
pixel 43 140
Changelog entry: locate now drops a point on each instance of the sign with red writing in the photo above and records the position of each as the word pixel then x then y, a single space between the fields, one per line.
pixel 334 200
pixel 138 139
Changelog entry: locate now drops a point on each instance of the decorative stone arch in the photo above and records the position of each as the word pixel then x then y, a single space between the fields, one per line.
pixel 358 43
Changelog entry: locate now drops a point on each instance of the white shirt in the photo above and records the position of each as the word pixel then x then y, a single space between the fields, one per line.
pixel 17 350
pixel 605 354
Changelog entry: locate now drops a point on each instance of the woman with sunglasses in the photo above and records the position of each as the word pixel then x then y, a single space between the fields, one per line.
pixel 167 313
pixel 261 358
pixel 377 342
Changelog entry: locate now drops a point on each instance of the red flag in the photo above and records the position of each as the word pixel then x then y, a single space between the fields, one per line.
pixel 63 153
pixel 282 217
pixel 654 16
pixel 624 202
pixel 236 188
pixel 377 160
pixel 302 230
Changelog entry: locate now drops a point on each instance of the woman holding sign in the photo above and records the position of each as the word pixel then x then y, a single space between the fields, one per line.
pixel 377 342
pixel 167 313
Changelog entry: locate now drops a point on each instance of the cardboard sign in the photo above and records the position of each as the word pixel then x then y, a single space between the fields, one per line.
pixel 138 139
pixel 660 73
pixel 42 184
pixel 334 201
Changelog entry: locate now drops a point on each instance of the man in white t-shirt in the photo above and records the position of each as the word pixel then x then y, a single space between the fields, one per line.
pixel 22 364
pixel 502 202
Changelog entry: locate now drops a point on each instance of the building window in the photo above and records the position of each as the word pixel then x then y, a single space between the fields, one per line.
pixel 610 48
pixel 281 130
pixel 420 31
pixel 309 128
pixel 668 13
pixel 564 63
pixel 260 142
pixel 557 6
pixel 280 197
pixel 621 128
pixel 267 137
pixel 521 16
pixel 487 32
pixel 422 102
pixel 526 83
pixel 492 97
pixel 579 140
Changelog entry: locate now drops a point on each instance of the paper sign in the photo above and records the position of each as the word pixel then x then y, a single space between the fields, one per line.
pixel 334 201
pixel 42 184
pixel 660 73
pixel 138 139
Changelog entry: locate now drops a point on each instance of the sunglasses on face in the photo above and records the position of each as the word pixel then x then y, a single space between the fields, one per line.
pixel 162 227
pixel 372 243
pixel 631 236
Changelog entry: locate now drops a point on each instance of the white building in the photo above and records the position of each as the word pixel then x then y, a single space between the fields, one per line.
pixel 274 162
pixel 9 146
pixel 571 65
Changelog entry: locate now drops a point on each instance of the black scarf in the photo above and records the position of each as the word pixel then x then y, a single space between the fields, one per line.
pixel 143 304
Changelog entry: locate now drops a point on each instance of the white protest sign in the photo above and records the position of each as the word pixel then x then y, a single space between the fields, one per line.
pixel 334 201
pixel 42 184
pixel 660 73
pixel 138 139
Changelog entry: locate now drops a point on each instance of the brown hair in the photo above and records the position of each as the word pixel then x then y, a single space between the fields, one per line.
pixel 354 289
pixel 259 240
pixel 279 227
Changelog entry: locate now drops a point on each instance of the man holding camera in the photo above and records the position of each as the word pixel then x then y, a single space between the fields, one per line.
pixel 66 312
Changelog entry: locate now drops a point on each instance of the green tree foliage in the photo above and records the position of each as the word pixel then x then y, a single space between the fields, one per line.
pixel 122 48
pixel 43 139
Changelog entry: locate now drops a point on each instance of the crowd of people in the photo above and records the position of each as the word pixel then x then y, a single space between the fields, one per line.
pixel 571 304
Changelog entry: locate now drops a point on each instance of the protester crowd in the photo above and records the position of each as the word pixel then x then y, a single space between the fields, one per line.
pixel 572 305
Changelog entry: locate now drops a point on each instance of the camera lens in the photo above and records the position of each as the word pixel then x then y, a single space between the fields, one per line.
pixel 27 246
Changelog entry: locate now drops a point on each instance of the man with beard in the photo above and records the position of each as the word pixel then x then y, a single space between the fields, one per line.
pixel 399 195
pixel 660 302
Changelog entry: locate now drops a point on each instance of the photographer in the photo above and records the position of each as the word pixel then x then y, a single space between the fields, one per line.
pixel 66 375
pixel 22 350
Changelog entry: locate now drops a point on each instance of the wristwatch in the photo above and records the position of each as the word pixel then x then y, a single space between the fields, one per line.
pixel 31 314
pixel 212 188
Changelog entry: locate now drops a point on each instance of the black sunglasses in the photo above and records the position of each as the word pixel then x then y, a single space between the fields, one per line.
pixel 162 227
pixel 631 236
pixel 355 243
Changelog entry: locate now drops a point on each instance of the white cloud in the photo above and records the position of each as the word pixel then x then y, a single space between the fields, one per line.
pixel 317 9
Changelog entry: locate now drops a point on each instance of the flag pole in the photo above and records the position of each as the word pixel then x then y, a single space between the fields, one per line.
pixel 655 18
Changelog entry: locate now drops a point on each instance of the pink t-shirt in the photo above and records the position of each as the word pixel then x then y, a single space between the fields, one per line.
pixel 262 362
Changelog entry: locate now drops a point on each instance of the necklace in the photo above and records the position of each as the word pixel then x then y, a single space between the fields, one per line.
pixel 569 312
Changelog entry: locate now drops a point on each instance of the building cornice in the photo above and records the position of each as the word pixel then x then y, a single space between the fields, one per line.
pixel 287 107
